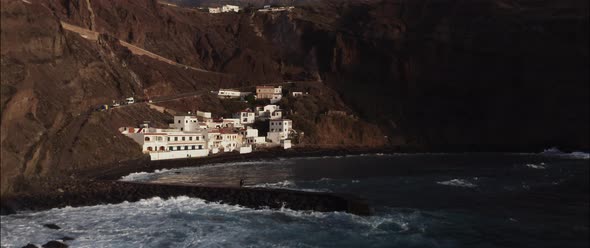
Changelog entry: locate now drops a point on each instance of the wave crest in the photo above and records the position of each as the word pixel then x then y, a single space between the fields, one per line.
pixel 458 183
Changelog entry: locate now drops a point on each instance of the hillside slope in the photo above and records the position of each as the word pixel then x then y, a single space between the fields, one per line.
pixel 435 75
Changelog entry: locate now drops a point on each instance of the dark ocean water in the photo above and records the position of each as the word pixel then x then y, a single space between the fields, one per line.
pixel 421 200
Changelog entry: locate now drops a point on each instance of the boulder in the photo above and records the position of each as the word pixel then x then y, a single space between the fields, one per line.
pixel 52 226
pixel 54 244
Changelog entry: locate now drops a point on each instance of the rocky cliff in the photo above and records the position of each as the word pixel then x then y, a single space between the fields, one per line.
pixel 437 75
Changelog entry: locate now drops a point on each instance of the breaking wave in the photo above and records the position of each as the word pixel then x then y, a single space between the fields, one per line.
pixel 287 184
pixel 555 152
pixel 458 183
pixel 540 166
pixel 191 222
pixel 142 176
pixel 147 176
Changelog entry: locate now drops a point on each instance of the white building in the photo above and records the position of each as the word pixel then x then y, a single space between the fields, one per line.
pixel 269 112
pixel 225 140
pixel 230 8
pixel 205 115
pixel 228 93
pixel 274 93
pixel 246 117
pixel 296 93
pixel 224 9
pixel 213 124
pixel 163 144
pixel 249 132
pixel 186 123
pixel 232 122
pixel 279 130
pixel 286 144
pixel 268 8
pixel 215 10
pixel 261 140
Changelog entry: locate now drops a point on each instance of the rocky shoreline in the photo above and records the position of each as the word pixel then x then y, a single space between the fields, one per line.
pixel 95 187
pixel 118 170
pixel 100 186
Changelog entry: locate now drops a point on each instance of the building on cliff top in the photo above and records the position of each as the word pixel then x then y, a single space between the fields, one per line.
pixel 224 9
pixel 274 93
pixel 268 112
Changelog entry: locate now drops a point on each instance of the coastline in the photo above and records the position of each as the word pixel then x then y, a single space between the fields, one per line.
pixel 123 168
pixel 101 186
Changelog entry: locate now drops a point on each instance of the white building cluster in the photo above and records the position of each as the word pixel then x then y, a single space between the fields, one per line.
pixel 269 8
pixel 224 9
pixel 201 135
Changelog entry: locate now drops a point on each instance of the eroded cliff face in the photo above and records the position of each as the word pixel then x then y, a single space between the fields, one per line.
pixel 483 75
pixel 52 80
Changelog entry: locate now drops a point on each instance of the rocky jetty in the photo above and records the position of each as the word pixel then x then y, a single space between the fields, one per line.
pixel 104 192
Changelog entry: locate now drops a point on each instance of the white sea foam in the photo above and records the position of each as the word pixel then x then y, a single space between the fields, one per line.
pixel 145 176
pixel 286 184
pixel 458 183
pixel 555 152
pixel 540 166
pixel 190 222
pixel 142 176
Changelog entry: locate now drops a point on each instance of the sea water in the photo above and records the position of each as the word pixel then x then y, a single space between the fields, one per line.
pixel 420 200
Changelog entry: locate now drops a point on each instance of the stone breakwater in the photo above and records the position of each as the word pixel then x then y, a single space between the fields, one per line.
pixel 112 192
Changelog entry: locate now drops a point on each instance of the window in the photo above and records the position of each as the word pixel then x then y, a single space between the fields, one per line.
pixel 186 121
pixel 182 138
pixel 149 148
pixel 190 138
pixel 147 138
pixel 178 148
pixel 162 148
pixel 185 147
pixel 200 147
pixel 171 148
pixel 178 121
pixel 193 148
pixel 168 138
pixel 175 138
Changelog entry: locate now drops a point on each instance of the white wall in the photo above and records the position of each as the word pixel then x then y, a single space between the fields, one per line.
pixel 229 94
pixel 250 132
pixel 275 137
pixel 204 114
pixel 286 144
pixel 178 154
pixel 245 149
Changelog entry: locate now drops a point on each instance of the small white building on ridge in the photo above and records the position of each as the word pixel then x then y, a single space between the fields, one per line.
pixel 274 93
pixel 224 9
pixel 229 93
pixel 269 112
